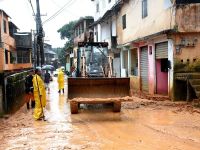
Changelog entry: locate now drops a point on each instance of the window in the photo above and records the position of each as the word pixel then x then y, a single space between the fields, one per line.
pixel 5 26
pixel 23 57
pixel 13 57
pixel 144 9
pixel 97 7
pixel 6 56
pixel 124 21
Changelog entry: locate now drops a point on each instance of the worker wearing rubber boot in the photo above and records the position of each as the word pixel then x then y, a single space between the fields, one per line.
pixel 39 95
pixel 60 81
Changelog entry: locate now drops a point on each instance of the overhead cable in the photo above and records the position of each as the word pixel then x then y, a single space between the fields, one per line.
pixel 70 2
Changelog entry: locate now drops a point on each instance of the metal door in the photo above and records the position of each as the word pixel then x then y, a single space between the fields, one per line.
pixel 162 50
pixel 144 69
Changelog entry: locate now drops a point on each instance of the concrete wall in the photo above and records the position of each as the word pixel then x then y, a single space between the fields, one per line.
pixel 158 19
pixel 1 59
pixel 104 5
pixel 187 18
pixel 187 51
pixel 17 66
pixel 106 33
pixel 134 84
pixel 151 69
pixel 116 67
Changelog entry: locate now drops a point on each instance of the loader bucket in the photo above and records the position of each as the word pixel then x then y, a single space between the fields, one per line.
pixel 98 87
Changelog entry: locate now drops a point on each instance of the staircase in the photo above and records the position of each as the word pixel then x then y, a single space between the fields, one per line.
pixel 194 81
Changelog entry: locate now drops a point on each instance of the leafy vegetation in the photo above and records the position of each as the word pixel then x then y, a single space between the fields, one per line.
pixel 66 32
pixel 187 67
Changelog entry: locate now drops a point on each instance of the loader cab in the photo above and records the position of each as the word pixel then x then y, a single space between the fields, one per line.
pixel 95 58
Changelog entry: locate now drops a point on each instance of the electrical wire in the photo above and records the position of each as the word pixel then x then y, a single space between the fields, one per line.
pixel 70 2
pixel 58 12
pixel 53 1
pixel 32 7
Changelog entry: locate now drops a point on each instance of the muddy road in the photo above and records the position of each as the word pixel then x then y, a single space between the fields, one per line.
pixel 142 125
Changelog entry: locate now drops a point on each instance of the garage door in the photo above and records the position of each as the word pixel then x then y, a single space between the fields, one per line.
pixel 162 50
pixel 144 69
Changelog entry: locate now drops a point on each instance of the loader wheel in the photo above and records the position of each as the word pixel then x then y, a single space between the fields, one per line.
pixel 74 107
pixel 117 106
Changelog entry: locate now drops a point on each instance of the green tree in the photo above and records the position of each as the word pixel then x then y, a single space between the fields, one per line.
pixel 66 31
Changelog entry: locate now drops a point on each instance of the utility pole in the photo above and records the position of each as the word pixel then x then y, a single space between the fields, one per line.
pixel 39 33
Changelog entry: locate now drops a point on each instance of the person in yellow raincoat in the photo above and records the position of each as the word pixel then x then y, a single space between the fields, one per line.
pixel 39 95
pixel 60 81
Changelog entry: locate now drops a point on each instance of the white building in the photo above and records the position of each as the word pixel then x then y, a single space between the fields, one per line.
pixel 105 28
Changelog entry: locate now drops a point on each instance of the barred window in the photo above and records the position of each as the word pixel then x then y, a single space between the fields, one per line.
pixel 23 57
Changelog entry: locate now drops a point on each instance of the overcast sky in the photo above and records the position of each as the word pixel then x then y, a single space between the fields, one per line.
pixel 21 14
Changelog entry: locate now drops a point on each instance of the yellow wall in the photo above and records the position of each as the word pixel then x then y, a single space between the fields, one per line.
pixel 158 19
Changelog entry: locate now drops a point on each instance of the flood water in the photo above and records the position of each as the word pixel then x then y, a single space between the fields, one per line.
pixel 141 125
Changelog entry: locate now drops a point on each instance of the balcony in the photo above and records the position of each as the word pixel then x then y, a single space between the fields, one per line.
pixel 23 40
pixel 80 38
pixel 8 40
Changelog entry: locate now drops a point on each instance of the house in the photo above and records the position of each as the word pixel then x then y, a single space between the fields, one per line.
pixel 105 28
pixel 82 33
pixel 15 53
pixel 151 45
pixel 49 54
pixel 15 57
pixel 153 42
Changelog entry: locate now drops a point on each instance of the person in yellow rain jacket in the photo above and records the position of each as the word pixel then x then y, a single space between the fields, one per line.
pixel 60 81
pixel 39 95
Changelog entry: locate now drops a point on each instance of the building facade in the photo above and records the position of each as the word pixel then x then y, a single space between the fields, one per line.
pixel 151 44
pixel 15 56
pixel 82 33
pixel 49 55
pixel 153 40
pixel 105 28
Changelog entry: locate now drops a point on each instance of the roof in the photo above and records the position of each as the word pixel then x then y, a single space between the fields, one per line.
pixel 83 19
pixel 13 24
pixel 49 52
pixel 4 13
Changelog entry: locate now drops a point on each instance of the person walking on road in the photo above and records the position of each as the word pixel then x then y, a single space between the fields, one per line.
pixel 29 90
pixel 60 81
pixel 39 95
pixel 47 78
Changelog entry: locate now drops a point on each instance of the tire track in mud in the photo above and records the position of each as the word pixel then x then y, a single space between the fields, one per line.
pixel 93 132
pixel 169 134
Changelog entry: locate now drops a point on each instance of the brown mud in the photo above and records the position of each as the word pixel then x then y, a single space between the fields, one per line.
pixel 142 124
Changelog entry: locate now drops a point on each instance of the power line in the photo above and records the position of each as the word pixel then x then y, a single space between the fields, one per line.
pixel 32 7
pixel 70 2
pixel 53 1
pixel 58 12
